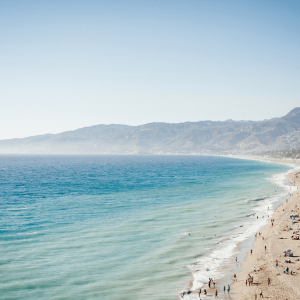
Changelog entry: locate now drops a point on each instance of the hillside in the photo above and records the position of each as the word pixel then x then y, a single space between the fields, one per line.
pixel 240 137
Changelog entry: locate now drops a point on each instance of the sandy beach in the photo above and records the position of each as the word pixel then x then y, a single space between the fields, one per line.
pixel 267 251
pixel 268 247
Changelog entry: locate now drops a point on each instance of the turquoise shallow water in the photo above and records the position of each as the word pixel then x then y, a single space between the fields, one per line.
pixel 120 227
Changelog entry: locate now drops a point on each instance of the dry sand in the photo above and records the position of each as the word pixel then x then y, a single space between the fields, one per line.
pixel 276 239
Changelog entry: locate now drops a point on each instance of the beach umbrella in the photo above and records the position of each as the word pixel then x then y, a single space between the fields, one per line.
pixel 285 251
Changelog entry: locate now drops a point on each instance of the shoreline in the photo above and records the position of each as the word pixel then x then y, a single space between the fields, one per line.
pixel 282 286
pixel 237 288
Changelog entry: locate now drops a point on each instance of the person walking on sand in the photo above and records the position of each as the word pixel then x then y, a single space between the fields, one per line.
pixel 216 294
pixel 205 292
pixel 260 294
pixel 228 289
pixel 255 296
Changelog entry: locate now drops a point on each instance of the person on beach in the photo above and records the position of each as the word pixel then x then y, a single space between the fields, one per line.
pixel 255 296
pixel 246 281
pixel 216 294
pixel 224 289
pixel 205 292
pixel 265 248
pixel 228 289
pixel 214 284
pixel 209 283
pixel 269 281
pixel 261 294
pixel 199 292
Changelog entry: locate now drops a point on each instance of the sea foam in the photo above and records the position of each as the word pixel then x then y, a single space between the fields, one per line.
pixel 216 264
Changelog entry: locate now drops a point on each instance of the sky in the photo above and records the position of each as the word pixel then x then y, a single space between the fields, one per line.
pixel 71 64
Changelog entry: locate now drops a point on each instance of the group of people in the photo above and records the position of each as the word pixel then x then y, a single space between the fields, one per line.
pixel 228 289
pixel 272 220
pixel 204 291
pixel 259 235
pixel 249 280
pixel 210 284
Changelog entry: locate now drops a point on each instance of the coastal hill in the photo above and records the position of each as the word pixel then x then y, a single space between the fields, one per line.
pixel 204 137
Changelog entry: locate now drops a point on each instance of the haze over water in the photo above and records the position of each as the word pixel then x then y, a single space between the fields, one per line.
pixel 122 227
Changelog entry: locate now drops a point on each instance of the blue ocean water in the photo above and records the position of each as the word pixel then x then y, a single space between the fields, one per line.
pixel 121 227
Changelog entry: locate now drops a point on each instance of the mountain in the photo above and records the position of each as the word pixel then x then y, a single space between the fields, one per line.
pixel 236 137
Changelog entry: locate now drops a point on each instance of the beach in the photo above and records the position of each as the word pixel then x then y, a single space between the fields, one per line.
pixel 267 242
pixel 269 245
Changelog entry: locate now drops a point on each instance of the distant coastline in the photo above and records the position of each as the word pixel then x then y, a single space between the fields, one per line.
pixel 195 138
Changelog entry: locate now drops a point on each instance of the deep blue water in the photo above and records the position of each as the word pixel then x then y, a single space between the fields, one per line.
pixel 117 227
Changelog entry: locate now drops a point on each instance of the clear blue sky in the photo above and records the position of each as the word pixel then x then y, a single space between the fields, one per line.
pixel 70 64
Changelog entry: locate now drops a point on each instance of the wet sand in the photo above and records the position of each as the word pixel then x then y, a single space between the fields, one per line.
pixel 282 286
pixel 276 239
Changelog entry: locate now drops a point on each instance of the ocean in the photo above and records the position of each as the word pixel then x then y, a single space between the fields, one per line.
pixel 127 227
